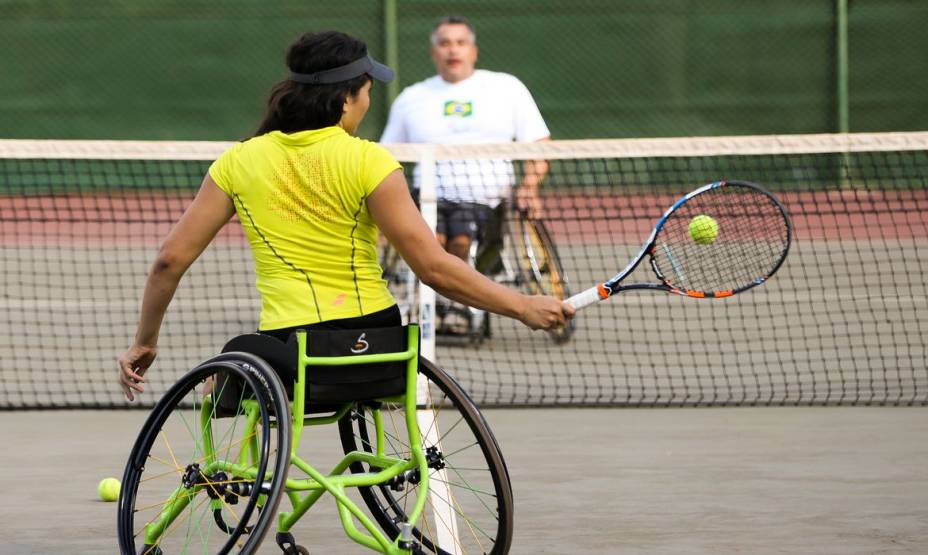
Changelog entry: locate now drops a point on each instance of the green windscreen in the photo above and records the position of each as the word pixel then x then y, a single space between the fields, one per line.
pixel 597 68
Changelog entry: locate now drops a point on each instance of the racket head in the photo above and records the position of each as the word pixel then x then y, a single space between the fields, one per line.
pixel 753 234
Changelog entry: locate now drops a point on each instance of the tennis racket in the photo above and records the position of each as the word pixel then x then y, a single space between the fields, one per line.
pixel 719 240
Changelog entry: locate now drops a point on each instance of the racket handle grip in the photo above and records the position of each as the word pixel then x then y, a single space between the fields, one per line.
pixel 586 298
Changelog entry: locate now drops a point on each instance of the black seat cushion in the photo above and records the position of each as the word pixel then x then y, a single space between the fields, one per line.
pixel 334 384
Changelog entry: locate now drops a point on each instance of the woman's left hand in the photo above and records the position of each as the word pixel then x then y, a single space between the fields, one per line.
pixel 132 367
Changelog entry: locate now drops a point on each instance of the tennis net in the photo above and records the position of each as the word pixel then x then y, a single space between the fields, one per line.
pixel 844 322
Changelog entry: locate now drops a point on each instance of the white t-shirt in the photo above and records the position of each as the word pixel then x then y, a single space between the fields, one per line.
pixel 487 107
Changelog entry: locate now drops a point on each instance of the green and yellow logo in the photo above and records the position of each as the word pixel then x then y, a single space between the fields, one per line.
pixel 458 108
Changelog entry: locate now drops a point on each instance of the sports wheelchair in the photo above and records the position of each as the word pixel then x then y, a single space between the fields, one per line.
pixel 219 451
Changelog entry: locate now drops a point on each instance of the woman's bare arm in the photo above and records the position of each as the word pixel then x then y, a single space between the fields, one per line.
pixel 205 216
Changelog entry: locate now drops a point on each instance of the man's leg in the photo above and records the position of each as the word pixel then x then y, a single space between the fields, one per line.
pixel 459 246
pixel 441 227
pixel 461 230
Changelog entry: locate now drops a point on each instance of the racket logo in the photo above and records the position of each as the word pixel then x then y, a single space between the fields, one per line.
pixel 361 345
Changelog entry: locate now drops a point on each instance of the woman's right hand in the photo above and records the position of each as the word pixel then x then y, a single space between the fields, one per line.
pixel 545 312
pixel 132 367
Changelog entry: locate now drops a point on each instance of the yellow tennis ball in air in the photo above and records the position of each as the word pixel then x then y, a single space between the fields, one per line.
pixel 109 489
pixel 704 229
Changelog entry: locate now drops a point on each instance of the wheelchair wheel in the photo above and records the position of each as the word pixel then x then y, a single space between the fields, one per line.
pixel 469 506
pixel 178 494
pixel 540 267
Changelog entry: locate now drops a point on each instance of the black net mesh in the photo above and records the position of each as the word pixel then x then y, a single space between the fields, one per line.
pixel 842 322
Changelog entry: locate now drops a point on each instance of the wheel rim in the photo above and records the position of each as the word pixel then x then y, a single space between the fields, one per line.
pixel 541 269
pixel 222 512
pixel 539 260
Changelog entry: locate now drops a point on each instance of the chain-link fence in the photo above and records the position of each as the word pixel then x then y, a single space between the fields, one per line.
pixel 196 69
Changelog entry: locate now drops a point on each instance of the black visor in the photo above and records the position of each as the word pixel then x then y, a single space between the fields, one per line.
pixel 356 68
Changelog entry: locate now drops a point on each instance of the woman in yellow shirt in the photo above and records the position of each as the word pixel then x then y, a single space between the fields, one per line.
pixel 311 198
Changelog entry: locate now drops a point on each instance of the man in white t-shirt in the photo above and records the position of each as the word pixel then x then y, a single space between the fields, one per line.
pixel 463 104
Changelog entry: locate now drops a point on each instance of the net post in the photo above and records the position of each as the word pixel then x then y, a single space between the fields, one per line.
pixel 439 496
pixel 428 204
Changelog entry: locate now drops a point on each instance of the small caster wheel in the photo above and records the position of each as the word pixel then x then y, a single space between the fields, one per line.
pixel 288 544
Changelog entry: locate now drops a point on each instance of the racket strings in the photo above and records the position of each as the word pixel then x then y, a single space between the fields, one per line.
pixel 753 236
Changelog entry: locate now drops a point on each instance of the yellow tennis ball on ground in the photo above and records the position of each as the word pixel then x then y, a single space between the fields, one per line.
pixel 109 489
pixel 704 229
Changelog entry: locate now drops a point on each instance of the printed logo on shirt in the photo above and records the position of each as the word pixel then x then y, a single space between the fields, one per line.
pixel 459 108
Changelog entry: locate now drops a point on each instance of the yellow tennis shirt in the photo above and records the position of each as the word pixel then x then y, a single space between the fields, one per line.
pixel 301 199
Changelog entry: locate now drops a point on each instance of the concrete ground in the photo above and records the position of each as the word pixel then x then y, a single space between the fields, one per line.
pixel 663 481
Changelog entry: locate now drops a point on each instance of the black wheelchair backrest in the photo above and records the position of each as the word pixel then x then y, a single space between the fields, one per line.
pixel 334 384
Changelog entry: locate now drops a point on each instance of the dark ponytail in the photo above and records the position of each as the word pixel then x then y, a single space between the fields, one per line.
pixel 293 106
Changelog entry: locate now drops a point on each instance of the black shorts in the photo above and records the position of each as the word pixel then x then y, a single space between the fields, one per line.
pixel 386 318
pixel 462 218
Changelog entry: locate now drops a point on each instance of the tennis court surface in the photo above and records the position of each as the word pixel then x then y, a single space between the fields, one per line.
pixel 836 480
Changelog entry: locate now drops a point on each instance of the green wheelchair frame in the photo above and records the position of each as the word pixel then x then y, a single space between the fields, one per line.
pixel 336 482
pixel 303 493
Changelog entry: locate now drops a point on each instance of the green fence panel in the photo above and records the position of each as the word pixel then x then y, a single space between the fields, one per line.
pixel 197 69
